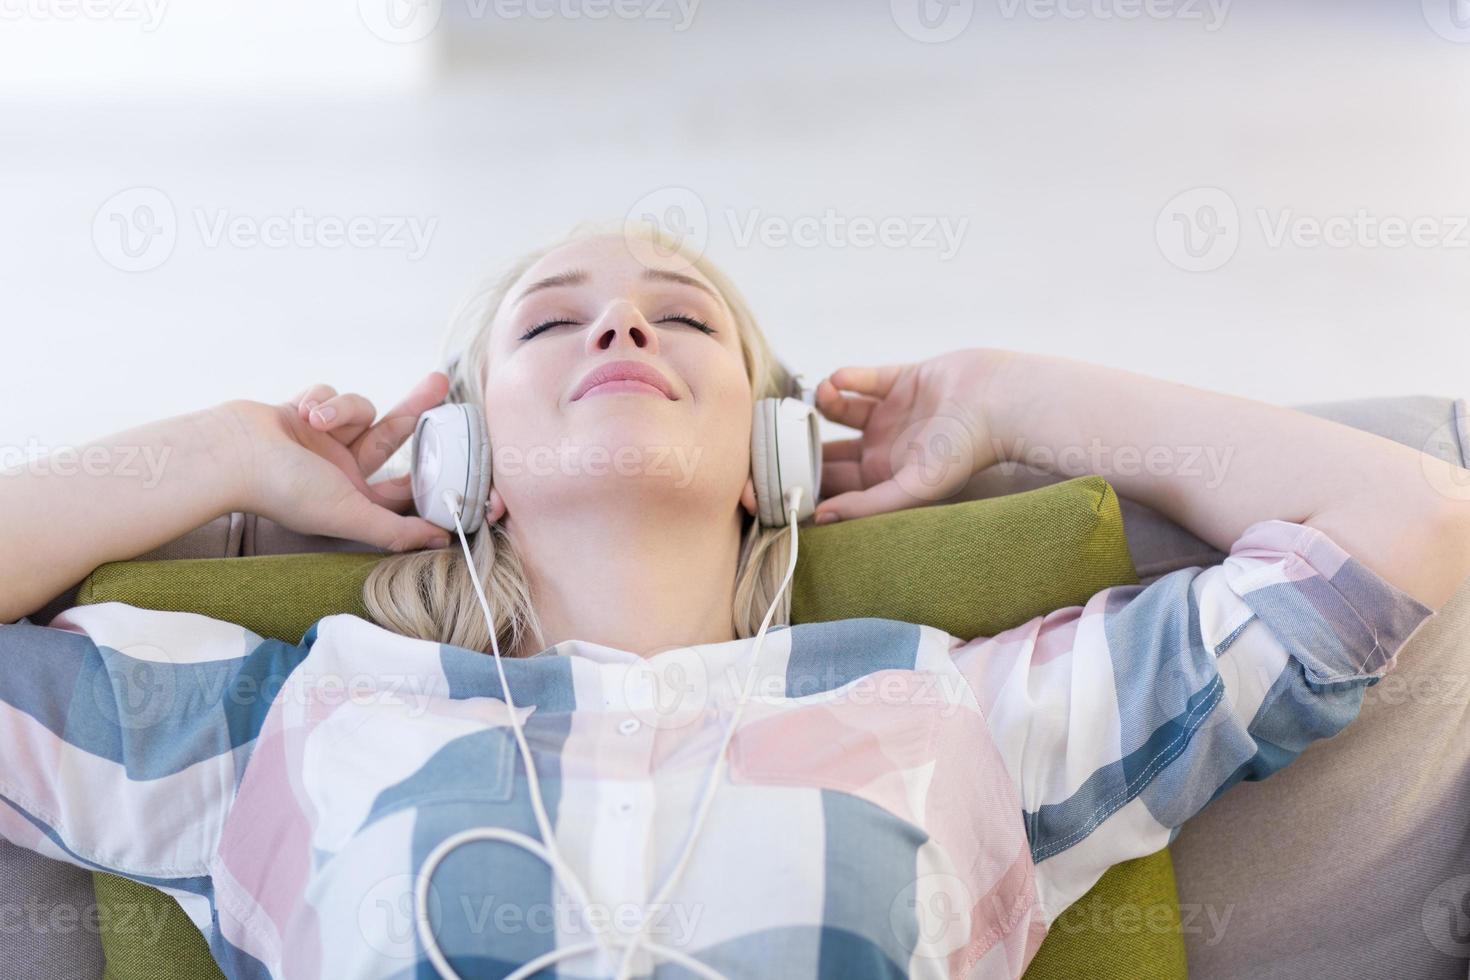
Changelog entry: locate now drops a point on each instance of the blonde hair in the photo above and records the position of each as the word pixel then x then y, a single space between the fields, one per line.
pixel 429 594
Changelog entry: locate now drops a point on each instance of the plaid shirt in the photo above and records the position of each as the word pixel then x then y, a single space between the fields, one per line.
pixel 897 801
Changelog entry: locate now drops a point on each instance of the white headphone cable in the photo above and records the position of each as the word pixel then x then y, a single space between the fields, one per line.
pixel 548 851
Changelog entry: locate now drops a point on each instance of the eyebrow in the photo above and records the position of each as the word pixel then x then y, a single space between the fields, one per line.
pixel 573 277
pixel 657 275
pixel 578 277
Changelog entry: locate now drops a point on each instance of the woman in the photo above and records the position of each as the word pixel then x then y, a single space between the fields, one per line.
pixel 923 805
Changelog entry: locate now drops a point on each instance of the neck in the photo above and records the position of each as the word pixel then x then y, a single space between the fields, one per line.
pixel 643 581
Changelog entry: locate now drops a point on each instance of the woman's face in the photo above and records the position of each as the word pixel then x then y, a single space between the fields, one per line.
pixel 679 436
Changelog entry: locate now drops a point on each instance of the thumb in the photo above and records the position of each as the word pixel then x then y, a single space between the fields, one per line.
pixel 359 519
pixel 880 498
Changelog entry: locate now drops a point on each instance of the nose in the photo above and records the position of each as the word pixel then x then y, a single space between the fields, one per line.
pixel 622 326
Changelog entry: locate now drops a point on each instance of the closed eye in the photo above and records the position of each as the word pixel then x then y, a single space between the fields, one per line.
pixel 687 320
pixel 696 324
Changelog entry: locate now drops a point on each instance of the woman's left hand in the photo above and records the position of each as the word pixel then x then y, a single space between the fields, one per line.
pixel 924 433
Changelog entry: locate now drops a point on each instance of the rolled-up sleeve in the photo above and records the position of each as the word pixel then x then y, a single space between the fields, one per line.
pixel 1122 718
pixel 124 733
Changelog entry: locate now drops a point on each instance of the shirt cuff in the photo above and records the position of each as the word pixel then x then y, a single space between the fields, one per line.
pixel 1340 619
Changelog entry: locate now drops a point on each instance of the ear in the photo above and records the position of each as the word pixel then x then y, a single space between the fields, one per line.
pixel 747 497
pixel 494 507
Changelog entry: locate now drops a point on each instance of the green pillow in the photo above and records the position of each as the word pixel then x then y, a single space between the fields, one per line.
pixel 970 569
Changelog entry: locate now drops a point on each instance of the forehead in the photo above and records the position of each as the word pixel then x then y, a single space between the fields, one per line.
pixel 611 262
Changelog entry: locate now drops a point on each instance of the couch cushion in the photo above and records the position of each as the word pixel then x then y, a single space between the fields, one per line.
pixel 970 569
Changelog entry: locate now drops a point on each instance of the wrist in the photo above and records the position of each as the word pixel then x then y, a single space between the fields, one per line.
pixel 217 441
pixel 999 401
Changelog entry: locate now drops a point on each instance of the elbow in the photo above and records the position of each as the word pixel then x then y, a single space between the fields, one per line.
pixel 1446 550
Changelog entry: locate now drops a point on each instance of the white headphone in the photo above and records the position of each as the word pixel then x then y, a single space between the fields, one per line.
pixel 451 481
pixel 451 451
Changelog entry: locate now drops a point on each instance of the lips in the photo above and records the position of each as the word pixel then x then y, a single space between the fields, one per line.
pixel 624 371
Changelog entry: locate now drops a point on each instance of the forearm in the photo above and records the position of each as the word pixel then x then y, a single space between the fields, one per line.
pixel 109 500
pixel 1216 463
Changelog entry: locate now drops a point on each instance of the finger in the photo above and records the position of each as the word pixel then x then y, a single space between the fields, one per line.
pixel 880 498
pixel 311 397
pixel 359 519
pixel 838 478
pixel 374 446
pixel 344 416
pixel 395 493
pixel 849 410
pixel 843 450
pixel 874 381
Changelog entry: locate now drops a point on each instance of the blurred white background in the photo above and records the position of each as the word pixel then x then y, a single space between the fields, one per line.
pixel 209 199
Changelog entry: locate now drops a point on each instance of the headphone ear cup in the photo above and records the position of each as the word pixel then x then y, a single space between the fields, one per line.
pixel 478 485
pixel 785 452
pixel 451 453
pixel 763 471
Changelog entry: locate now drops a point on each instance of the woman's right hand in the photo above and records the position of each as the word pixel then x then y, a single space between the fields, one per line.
pixel 305 464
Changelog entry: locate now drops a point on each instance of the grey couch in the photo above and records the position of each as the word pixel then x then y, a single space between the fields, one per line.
pixel 1353 862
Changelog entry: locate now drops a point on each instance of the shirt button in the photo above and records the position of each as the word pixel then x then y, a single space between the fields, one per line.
pixel 629 725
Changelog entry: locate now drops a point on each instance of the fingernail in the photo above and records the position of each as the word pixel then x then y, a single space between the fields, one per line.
pixel 439 543
pixel 326 413
pixel 827 517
